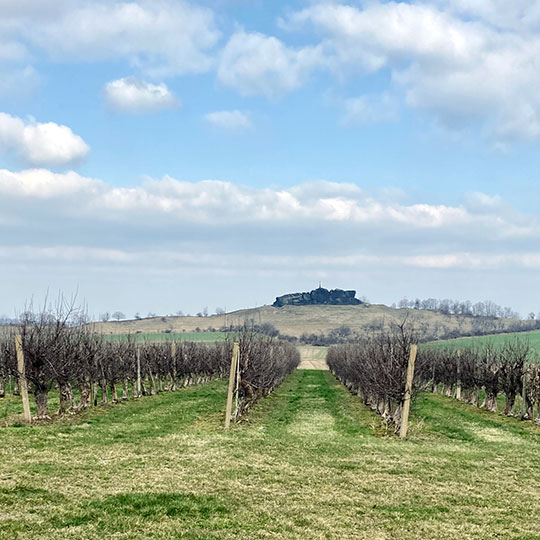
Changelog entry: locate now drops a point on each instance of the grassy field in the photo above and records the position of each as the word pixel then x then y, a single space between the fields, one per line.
pixel 310 463
pixel 498 340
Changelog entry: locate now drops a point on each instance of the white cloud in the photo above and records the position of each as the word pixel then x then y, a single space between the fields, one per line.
pixel 218 203
pixel 465 62
pixel 370 110
pixel 256 64
pixel 44 184
pixel 40 143
pixel 131 94
pixel 232 120
pixel 165 37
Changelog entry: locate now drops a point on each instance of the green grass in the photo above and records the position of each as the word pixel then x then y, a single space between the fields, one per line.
pixel 497 340
pixel 182 336
pixel 309 462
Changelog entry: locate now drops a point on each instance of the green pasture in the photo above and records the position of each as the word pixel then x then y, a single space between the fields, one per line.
pixel 309 462
pixel 496 340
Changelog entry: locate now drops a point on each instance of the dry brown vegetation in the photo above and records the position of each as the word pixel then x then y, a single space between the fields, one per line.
pixel 297 320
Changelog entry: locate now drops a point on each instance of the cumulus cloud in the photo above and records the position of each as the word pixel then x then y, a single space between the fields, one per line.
pixel 168 37
pixel 257 64
pixel 462 61
pixel 133 95
pixel 40 144
pixel 232 120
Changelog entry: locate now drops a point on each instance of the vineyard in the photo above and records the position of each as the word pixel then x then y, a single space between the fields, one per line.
pixel 376 371
pixel 51 349
pixel 482 376
pixel 315 457
pixel 486 375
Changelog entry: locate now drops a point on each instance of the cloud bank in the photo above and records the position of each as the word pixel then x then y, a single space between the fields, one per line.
pixel 340 211
pixel 68 230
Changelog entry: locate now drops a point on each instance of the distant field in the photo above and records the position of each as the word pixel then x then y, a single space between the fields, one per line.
pixel 312 357
pixel 497 340
pixel 180 336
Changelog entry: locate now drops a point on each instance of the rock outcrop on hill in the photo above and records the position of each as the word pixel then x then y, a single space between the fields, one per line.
pixel 320 296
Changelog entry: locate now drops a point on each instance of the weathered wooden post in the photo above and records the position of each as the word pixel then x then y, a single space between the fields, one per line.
pixel 23 385
pixel 408 392
pixel 232 381
pixel 138 371
pixel 524 400
pixel 458 386
pixel 173 361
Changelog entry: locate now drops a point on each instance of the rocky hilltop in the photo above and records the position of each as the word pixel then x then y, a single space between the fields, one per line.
pixel 320 296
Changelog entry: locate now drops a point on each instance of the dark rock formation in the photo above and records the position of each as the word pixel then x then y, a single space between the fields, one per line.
pixel 320 296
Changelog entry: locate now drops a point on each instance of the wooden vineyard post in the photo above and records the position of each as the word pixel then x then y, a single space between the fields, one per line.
pixel 524 411
pixel 458 386
pixel 173 362
pixel 23 386
pixel 408 391
pixel 139 372
pixel 232 381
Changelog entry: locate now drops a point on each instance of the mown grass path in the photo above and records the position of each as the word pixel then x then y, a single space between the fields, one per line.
pixel 310 462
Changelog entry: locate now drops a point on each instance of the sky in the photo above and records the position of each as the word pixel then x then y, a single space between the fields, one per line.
pixel 166 155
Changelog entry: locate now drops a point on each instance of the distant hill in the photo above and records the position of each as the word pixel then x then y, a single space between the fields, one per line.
pixel 322 319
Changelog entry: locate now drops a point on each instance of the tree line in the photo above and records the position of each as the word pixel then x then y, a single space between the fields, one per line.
pixel 458 307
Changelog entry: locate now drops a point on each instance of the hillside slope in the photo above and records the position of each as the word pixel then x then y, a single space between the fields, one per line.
pixel 317 319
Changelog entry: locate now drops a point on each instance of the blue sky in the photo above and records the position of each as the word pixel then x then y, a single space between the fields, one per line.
pixel 165 155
